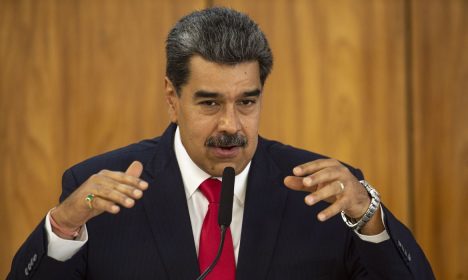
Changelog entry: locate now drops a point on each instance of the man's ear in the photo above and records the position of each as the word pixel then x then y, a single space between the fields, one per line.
pixel 172 99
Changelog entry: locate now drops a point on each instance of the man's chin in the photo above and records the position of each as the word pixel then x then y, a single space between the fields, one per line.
pixel 217 169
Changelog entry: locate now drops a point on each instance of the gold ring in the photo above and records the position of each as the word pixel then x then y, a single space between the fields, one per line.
pixel 341 186
pixel 89 199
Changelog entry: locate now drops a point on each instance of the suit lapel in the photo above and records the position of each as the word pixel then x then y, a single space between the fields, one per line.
pixel 166 208
pixel 264 204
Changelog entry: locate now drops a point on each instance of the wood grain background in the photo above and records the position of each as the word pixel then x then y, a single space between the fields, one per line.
pixel 379 84
pixel 440 132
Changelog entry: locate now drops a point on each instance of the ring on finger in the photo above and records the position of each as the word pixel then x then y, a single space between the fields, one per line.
pixel 341 185
pixel 89 200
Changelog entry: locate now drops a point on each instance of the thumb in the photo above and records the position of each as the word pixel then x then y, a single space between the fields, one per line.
pixel 135 169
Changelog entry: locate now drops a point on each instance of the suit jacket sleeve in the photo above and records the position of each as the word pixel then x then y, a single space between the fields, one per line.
pixel 31 260
pixel 400 257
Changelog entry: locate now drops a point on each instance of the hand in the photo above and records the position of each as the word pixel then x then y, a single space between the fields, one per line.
pixel 324 179
pixel 111 189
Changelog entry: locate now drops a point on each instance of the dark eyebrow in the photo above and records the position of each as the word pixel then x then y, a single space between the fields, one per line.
pixel 205 94
pixel 253 93
pixel 208 94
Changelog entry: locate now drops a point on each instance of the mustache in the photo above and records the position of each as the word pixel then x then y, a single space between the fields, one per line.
pixel 226 140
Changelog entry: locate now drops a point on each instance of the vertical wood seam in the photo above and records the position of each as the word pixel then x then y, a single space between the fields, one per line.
pixel 409 112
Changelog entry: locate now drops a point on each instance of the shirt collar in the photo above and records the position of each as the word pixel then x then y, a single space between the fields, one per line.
pixel 193 176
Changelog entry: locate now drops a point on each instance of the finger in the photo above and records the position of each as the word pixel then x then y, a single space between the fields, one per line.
pixel 106 190
pixel 326 175
pixel 330 211
pixel 135 169
pixel 324 193
pixel 105 184
pixel 294 183
pixel 313 166
pixel 297 184
pixel 119 198
pixel 125 178
pixel 128 190
pixel 102 204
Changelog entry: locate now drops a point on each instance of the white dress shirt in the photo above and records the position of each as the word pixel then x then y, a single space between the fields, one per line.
pixel 192 176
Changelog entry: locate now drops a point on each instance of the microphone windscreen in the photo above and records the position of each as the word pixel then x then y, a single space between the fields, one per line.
pixel 227 196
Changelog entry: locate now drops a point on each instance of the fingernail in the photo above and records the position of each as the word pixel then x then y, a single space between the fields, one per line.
pixel 297 171
pixel 128 201
pixel 115 208
pixel 143 184
pixel 309 200
pixel 137 193
pixel 321 217
pixel 308 182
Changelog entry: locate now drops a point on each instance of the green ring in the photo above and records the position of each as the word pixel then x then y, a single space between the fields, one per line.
pixel 90 197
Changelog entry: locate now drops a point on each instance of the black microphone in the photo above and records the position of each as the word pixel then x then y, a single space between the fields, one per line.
pixel 227 195
pixel 224 213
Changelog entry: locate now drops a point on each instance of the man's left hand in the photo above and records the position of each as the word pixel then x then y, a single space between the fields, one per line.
pixel 331 181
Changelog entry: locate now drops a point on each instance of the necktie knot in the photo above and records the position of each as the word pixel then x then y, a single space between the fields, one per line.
pixel 211 189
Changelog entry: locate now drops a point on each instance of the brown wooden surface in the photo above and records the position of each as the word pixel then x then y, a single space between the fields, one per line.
pixel 440 75
pixel 350 80
pixel 77 78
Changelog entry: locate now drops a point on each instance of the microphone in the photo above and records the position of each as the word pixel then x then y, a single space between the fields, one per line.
pixel 227 195
pixel 224 213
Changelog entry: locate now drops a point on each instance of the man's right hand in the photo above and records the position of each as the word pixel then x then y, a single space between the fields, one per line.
pixel 110 189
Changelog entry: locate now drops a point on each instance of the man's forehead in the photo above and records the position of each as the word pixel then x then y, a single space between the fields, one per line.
pixel 209 78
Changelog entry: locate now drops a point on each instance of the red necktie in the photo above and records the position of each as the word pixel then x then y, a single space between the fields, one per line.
pixel 210 237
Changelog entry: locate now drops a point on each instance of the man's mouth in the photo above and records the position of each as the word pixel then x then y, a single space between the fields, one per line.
pixel 226 151
pixel 227 147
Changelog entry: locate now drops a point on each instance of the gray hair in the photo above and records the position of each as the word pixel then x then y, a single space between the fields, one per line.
pixel 219 35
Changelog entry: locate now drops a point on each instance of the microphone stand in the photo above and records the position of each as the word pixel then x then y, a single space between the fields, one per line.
pixel 218 254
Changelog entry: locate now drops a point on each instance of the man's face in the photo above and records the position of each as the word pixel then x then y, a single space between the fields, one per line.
pixel 218 113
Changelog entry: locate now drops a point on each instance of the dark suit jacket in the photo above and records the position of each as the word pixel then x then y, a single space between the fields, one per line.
pixel 281 237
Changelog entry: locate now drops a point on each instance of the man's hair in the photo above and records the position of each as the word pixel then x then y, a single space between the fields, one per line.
pixel 219 35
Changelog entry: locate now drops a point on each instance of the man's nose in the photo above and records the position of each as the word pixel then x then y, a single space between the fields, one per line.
pixel 229 121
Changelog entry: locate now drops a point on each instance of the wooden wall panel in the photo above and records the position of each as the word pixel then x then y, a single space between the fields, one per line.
pixel 440 82
pixel 77 78
pixel 32 141
pixel 338 84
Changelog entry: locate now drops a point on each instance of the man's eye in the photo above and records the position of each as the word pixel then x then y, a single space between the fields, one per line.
pixel 247 102
pixel 208 103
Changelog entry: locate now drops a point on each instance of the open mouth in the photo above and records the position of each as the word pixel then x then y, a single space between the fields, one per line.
pixel 228 147
pixel 226 152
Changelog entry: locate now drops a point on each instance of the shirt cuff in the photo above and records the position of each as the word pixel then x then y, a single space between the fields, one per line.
pixel 63 249
pixel 381 237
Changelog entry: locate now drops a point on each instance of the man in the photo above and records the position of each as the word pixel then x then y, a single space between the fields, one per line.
pixel 142 212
